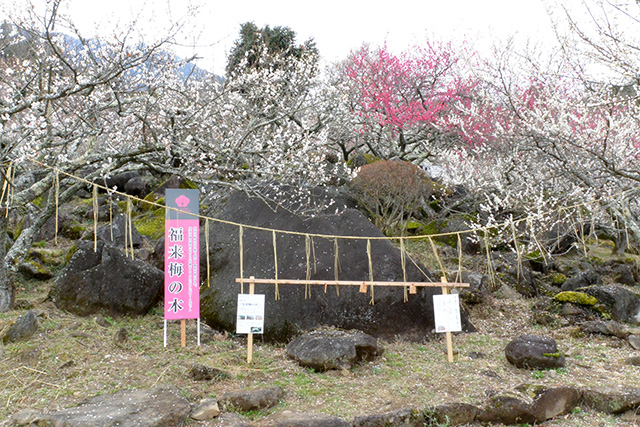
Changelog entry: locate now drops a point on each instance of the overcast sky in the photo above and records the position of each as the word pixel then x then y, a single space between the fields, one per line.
pixel 337 26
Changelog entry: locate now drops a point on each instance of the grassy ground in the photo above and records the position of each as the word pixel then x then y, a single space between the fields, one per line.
pixel 72 358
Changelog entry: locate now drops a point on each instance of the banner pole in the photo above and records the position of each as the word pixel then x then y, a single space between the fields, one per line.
pixel 183 332
pixel 165 332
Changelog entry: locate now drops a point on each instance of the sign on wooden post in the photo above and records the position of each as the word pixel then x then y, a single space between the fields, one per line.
pixel 446 313
pixel 250 317
pixel 182 259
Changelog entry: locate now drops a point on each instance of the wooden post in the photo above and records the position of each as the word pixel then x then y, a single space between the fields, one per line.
pixel 252 285
pixel 183 332
pixel 447 335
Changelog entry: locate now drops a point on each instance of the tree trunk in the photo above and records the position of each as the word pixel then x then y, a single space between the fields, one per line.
pixel 6 287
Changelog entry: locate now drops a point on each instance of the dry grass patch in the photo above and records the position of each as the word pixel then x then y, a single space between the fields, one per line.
pixel 76 358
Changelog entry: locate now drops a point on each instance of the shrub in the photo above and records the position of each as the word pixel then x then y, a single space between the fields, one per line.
pixel 391 192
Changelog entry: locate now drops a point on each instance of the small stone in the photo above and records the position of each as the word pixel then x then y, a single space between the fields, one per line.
pixel 476 355
pixel 252 399
pixel 634 341
pixel 29 356
pixel 633 361
pixel 490 374
pixel 101 321
pixel 207 409
pixel 23 328
pixel 77 334
pixel 121 337
pixel 206 373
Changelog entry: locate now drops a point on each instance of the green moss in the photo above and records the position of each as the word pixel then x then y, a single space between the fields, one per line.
pixel 558 279
pixel 189 185
pixel 535 256
pixel 433 227
pixel 152 224
pixel 38 201
pixel 74 231
pixel 413 226
pixel 122 205
pixel 576 297
pixel 72 250
pixel 145 207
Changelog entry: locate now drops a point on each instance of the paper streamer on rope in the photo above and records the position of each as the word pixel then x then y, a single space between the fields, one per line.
pixel 540 249
pixel 241 250
pixel 128 229
pixel 5 184
pixel 582 237
pixel 435 253
pixel 275 262
pixel 10 189
pixel 95 218
pixel 403 261
pixel 56 196
pixel 459 273
pixel 372 302
pixel 489 264
pixel 307 251
pixel 336 263
pixel 206 244
pixel 517 248
pixel 110 215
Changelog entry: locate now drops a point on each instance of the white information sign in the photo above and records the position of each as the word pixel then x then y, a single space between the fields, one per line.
pixel 250 319
pixel 446 311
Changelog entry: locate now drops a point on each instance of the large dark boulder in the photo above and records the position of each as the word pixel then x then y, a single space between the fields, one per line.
pixel 390 315
pixel 106 280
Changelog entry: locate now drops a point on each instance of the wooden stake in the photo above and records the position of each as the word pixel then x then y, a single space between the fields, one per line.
pixel 183 332
pixel 252 285
pixel 447 335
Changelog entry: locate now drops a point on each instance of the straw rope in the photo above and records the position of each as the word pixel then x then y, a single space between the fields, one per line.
pixel 56 197
pixel 241 250
pixel 275 261
pixel 372 302
pixel 336 263
pixel 403 262
pixel 206 244
pixel 95 218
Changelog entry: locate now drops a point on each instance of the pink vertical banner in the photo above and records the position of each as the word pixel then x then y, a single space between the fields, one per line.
pixel 182 255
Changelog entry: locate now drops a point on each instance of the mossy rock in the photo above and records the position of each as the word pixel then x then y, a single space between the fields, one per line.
pixel 152 224
pixel 146 207
pixel 358 159
pixel 72 250
pixel 34 270
pixel 48 257
pixel 73 231
pixel 576 298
